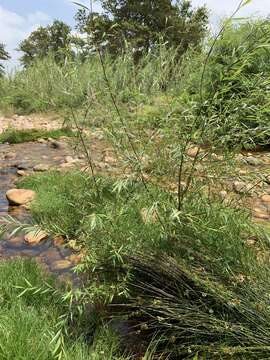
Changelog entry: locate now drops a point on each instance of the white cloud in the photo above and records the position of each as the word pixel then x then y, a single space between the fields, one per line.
pixel 226 7
pixel 14 28
pixel 219 9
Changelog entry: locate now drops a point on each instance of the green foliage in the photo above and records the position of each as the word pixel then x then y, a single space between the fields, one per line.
pixel 29 320
pixel 142 24
pixel 237 85
pixel 55 39
pixel 13 136
pixel 3 56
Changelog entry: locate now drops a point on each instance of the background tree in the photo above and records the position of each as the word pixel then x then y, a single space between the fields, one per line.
pixel 143 23
pixel 4 55
pixel 55 39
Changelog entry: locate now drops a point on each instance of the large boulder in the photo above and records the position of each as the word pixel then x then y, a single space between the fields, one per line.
pixel 17 197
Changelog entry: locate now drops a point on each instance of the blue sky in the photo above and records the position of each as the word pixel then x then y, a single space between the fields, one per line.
pixel 19 17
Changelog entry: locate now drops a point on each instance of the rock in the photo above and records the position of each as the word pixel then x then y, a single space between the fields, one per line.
pixel 56 144
pixel 10 156
pixel 61 265
pixel 240 187
pixel 250 242
pixel 193 151
pixel 251 160
pixel 66 165
pixel 58 240
pixel 52 254
pixel 22 173
pixel 41 167
pixel 16 241
pixel 42 141
pixel 223 194
pixel 76 259
pixel 23 166
pixel 216 157
pixel 242 172
pixel 35 237
pixel 111 160
pixel 260 214
pixel 17 197
pixel 69 159
pixel 266 198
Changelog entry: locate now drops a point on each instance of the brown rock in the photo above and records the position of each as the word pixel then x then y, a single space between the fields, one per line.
pixel 41 167
pixel 10 156
pixel 193 151
pixel 56 144
pixel 253 161
pixel 61 265
pixel 16 241
pixel 59 241
pixel 17 197
pixel 240 187
pixel 223 194
pixel 35 237
pixel 22 173
pixel 266 198
pixel 69 159
pixel 259 213
pixel 76 259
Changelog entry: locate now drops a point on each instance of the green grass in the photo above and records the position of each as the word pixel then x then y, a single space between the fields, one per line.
pixel 201 262
pixel 13 136
pixel 29 322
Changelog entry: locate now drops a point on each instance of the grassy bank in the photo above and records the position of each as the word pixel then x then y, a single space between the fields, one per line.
pixel 13 136
pixel 199 282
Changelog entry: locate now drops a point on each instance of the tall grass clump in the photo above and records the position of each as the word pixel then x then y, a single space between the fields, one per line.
pixel 236 87
pixel 34 320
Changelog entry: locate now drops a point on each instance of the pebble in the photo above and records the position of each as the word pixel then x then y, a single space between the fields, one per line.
pixel 23 166
pixel 223 194
pixel 193 151
pixel 266 198
pixel 56 144
pixel 35 237
pixel 10 156
pixel 22 173
pixel 253 161
pixel 260 214
pixel 61 265
pixel 240 187
pixel 41 167
pixel 69 159
pixel 16 241
pixel 58 240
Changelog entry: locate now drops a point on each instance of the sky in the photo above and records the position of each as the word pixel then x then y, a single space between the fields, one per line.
pixel 18 18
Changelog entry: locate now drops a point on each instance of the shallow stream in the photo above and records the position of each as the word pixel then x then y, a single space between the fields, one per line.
pixel 24 157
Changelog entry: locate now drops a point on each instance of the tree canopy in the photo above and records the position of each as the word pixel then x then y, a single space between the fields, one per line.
pixel 143 23
pixel 55 39
pixel 4 55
